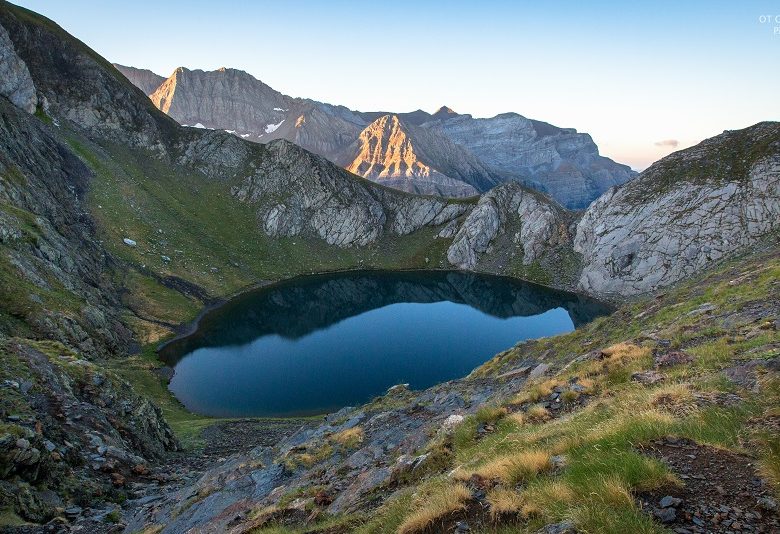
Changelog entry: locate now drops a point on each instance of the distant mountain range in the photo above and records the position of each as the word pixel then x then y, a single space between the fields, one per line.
pixel 444 153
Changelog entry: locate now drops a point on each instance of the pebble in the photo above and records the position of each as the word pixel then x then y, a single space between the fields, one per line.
pixel 73 511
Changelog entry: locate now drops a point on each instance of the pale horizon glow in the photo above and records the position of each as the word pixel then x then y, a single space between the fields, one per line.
pixel 643 81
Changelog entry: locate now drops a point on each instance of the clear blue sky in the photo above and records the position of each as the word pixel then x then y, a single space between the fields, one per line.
pixel 630 75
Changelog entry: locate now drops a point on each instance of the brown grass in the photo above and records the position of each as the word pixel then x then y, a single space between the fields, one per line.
pixel 537 413
pixel 435 507
pixel 504 501
pixel 514 468
pixel 349 438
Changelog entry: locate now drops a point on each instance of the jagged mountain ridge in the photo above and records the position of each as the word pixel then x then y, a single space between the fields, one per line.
pixel 477 152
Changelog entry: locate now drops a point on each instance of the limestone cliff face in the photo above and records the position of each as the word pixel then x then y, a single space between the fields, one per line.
pixel 146 80
pixel 538 223
pixel 692 208
pixel 559 161
pixel 444 153
pixel 403 156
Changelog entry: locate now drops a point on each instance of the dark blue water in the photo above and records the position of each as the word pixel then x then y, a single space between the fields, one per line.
pixel 316 344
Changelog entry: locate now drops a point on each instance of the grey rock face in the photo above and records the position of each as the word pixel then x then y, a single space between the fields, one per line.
pixel 677 218
pixel 146 80
pixel 540 221
pixel 559 161
pixel 15 81
pixel 299 193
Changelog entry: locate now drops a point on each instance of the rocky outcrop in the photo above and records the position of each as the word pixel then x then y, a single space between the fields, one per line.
pixel 298 193
pixel 685 212
pixel 146 80
pixel 15 81
pixel 48 242
pixel 540 225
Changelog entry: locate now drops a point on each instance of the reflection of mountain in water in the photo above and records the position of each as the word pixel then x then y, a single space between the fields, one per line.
pixel 298 307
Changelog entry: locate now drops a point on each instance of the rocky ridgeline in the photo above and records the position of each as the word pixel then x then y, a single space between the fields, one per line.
pixel 144 79
pixel 444 153
pixel 309 195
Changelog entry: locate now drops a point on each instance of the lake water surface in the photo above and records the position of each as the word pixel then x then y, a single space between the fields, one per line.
pixel 318 343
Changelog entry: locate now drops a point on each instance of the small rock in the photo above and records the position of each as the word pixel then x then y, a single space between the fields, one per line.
pixel 129 242
pixel 564 527
pixel 647 377
pixel 140 470
pixel 666 515
pixel 767 503
pixel 675 357
pixel 451 422
pixel 49 445
pixel 23 444
pixel 668 501
pixel 704 308
pixel 322 499
pixel 538 371
pixel 73 511
pixel 462 526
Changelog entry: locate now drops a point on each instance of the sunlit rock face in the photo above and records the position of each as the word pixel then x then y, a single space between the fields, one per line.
pixel 411 158
pixel 443 153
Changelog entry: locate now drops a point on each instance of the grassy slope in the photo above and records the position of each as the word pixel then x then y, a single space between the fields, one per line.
pixel 603 468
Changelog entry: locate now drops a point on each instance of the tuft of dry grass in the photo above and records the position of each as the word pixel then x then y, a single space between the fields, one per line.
pixel 613 491
pixel 548 494
pixel 504 501
pixel 537 413
pixel 349 438
pixel 517 467
pixel 675 398
pixel 490 414
pixel 434 507
pixel 536 391
pixel 569 396
pixel 517 418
